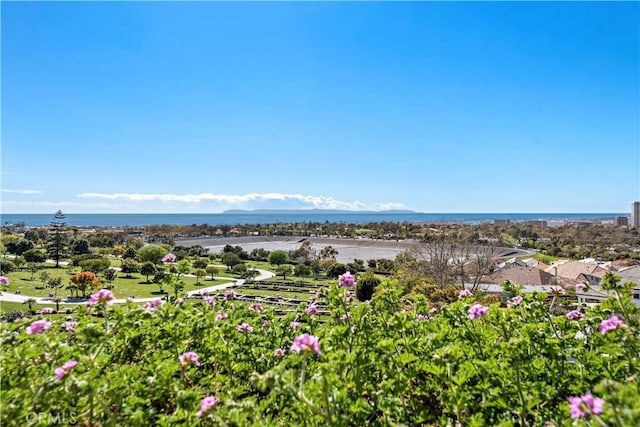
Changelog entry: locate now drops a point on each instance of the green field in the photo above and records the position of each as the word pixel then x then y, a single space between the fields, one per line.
pixel 136 285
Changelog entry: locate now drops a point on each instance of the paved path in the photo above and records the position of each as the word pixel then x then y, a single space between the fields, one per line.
pixel 8 297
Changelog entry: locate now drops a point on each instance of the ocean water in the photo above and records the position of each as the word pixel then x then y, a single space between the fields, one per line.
pixel 138 220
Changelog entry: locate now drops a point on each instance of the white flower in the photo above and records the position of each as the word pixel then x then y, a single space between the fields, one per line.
pixel 580 336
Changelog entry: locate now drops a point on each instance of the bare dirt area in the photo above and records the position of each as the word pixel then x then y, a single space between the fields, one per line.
pixel 348 249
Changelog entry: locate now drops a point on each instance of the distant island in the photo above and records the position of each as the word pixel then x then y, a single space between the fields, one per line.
pixel 315 211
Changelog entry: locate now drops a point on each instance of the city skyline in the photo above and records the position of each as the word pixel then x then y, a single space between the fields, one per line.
pixel 431 107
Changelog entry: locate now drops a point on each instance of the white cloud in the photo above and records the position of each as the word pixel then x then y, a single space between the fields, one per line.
pixel 6 190
pixel 247 201
pixel 9 206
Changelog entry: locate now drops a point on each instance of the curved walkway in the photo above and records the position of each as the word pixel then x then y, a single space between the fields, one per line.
pixel 6 297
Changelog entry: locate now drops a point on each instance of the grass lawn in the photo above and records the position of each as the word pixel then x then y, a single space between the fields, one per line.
pixel 7 306
pixel 136 285
pixel 547 259
pixel 266 293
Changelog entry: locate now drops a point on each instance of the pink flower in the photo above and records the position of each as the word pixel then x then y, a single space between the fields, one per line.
pixel 229 294
pixel 278 352
pixel 584 405
pixel 580 286
pixel 345 316
pixel 312 309
pixel 465 293
pixel 422 317
pixel 557 290
pixel 152 305
pixel 244 327
pixel 294 325
pixel 206 404
pixel 210 300
pixel 64 370
pixel 189 358
pixel 346 280
pixel 575 315
pixel 103 296
pixel 514 301
pixel 610 324
pixel 265 323
pixel 4 281
pixel 46 310
pixel 306 342
pixel 168 258
pixel 221 316
pixel 257 307
pixel 477 310
pixel 70 326
pixel 38 327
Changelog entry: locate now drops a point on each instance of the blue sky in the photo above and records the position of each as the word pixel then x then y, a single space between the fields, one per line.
pixel 435 107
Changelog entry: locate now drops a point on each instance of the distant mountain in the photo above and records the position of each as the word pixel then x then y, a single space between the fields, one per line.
pixel 314 211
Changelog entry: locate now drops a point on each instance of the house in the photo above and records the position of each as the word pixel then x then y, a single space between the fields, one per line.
pixel 521 275
pixel 567 272
pixel 510 263
pixel 593 294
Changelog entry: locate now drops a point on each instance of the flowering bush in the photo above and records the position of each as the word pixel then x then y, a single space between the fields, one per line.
pixel 392 361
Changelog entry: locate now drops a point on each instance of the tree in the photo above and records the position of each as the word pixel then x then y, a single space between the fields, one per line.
pixel 366 286
pixel 316 267
pixel 183 267
pixel 200 272
pixel 240 269
pixel 95 265
pixel 152 253
pixel 58 237
pixel 283 270
pixel 251 273
pixel 278 258
pixel 212 271
pixel 19 261
pixel 6 266
pixel 328 252
pixel 147 269
pixel 85 280
pixel 336 270
pixel 230 259
pixel 200 263
pixel 130 253
pixel 35 255
pixel 130 266
pixel 110 275
pixel 20 247
pixel 302 270
pixel 158 279
pixel 55 283
pixel 44 277
pixel 80 246
pixel 117 250
pixel 33 269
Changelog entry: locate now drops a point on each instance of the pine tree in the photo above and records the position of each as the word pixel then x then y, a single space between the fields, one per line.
pixel 58 237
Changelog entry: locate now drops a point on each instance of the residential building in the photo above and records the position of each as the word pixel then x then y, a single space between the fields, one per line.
pixel 567 272
pixel 501 221
pixel 635 215
pixel 622 221
pixel 527 276
pixel 536 222
pixel 593 294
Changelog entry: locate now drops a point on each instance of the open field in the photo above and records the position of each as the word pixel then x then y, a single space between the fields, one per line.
pixel 123 286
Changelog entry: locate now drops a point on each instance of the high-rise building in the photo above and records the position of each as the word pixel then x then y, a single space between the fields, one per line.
pixel 622 221
pixel 635 214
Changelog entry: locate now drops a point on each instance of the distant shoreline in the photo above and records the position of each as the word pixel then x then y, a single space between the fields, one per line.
pixel 142 219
